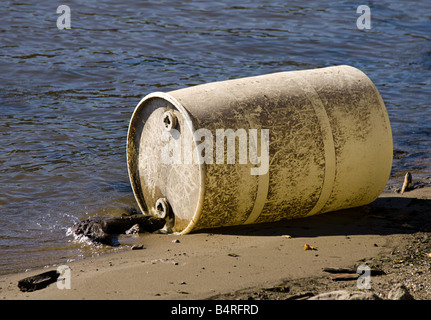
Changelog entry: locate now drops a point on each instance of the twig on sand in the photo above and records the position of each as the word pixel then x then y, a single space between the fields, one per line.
pixel 407 185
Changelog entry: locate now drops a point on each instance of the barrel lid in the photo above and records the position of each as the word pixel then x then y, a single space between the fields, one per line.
pixel 163 163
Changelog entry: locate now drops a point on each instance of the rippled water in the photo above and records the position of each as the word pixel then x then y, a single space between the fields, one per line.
pixel 66 96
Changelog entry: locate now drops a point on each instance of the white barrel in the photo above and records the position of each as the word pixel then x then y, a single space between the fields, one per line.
pixel 260 149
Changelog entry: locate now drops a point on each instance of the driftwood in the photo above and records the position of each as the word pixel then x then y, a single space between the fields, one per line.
pixel 105 229
pixel 408 183
pixel 345 274
pixel 39 281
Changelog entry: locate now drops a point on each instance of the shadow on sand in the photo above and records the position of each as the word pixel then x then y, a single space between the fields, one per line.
pixel 384 216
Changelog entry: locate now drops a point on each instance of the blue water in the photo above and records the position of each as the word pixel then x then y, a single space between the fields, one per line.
pixel 66 96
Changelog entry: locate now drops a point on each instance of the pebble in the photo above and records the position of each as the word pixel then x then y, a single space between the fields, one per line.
pixel 345 295
pixel 400 292
pixel 138 246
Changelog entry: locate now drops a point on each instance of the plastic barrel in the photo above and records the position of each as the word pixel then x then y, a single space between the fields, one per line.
pixel 260 149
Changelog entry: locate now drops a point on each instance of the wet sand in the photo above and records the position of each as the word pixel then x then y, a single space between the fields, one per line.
pixel 253 262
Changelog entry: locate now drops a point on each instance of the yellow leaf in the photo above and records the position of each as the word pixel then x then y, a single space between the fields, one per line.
pixel 308 247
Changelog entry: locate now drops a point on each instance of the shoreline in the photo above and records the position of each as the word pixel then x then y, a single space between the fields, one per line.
pixel 245 262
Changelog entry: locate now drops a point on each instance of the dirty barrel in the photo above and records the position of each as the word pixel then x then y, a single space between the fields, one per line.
pixel 260 149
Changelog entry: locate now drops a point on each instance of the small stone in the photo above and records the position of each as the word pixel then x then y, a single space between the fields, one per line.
pixel 345 295
pixel 333 295
pixel 233 255
pixel 176 241
pixel 400 292
pixel 138 246
pixel 364 296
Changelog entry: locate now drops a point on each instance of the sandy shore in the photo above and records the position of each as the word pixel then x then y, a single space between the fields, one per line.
pixel 254 262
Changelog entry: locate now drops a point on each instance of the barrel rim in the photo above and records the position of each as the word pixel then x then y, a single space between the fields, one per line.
pixel 189 124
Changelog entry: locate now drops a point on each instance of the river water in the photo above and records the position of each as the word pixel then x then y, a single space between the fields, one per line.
pixel 67 95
